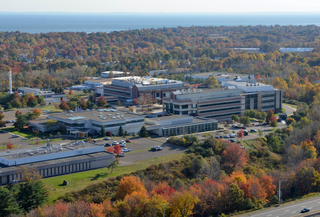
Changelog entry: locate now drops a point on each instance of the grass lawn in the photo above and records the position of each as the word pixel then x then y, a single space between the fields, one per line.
pixel 5 146
pixel 138 151
pixel 81 180
pixel 51 108
pixel 26 134
pixel 45 141
pixel 247 143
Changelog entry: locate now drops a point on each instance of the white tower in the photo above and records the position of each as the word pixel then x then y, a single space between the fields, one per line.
pixel 10 81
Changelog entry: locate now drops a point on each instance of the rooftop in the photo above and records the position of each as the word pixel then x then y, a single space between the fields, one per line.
pixel 198 91
pixel 143 81
pixel 101 115
pixel 248 86
pixel 170 117
pixel 221 75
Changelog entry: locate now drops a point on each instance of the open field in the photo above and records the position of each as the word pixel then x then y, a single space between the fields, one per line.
pixel 81 180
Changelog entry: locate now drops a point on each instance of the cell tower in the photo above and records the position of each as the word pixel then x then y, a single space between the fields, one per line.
pixel 10 81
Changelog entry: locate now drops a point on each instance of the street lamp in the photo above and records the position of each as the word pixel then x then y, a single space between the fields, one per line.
pixel 280 190
pixel 164 209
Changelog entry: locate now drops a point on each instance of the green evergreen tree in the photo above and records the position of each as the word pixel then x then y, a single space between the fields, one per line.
pixel 236 197
pixel 143 132
pixel 8 106
pixel 103 131
pixel 32 194
pixel 8 203
pixel 21 121
pixel 120 132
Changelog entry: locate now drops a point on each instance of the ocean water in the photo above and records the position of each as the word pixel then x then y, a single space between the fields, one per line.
pixel 77 22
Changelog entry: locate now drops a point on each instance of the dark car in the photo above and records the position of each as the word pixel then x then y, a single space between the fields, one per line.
pixel 232 140
pixel 218 137
pixel 108 144
pixel 160 116
pixel 128 141
pixel 253 131
pixel 305 210
pixel 243 128
pixel 156 148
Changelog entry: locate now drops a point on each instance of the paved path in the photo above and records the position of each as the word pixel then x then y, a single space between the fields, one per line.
pixel 290 209
pixel 289 109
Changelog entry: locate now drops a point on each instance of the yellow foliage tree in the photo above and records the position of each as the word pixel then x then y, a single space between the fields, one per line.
pixel 182 204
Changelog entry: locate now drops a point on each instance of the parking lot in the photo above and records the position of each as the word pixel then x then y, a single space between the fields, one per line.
pixel 141 150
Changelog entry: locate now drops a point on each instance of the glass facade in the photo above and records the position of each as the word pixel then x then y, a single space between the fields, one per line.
pixel 255 101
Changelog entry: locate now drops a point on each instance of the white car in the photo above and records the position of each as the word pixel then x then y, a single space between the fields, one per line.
pixel 70 111
pixel 122 145
pixel 126 150
pixel 107 138
pixel 233 135
pixel 122 141
pixel 15 136
pixel 115 143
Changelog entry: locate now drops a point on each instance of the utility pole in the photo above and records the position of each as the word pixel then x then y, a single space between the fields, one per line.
pixel 280 190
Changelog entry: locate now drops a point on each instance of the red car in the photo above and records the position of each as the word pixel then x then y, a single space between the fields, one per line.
pixel 128 141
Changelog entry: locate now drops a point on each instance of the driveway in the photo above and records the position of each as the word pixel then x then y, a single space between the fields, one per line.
pixel 289 110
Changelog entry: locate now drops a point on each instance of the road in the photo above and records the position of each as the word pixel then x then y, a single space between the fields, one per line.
pixel 290 209
pixel 289 110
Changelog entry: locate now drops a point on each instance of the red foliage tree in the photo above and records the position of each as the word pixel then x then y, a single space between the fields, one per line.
pixel 9 145
pixel 70 92
pixel 109 133
pixel 64 106
pixel 110 149
pixel 18 113
pixel 235 156
pixel 273 118
pixel 117 149
pixel 37 112
pixel 241 134
pixel 165 192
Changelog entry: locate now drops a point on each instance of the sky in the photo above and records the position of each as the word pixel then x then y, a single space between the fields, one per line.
pixel 159 6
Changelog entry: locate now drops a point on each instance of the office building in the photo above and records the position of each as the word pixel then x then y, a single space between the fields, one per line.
pixel 128 88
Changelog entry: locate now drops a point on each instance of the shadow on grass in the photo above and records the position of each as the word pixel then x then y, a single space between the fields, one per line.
pixel 99 175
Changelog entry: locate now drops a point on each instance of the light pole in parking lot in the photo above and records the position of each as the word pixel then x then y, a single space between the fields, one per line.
pixel 280 190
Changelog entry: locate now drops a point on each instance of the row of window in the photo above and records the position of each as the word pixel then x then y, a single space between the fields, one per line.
pixel 223 109
pixel 268 95
pixel 222 115
pixel 118 91
pixel 119 124
pixel 217 104
pixel 189 129
pixel 266 101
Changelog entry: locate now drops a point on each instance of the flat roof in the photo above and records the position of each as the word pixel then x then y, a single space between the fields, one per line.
pixel 219 75
pixel 51 163
pixel 39 151
pixel 101 115
pixel 170 117
pixel 195 121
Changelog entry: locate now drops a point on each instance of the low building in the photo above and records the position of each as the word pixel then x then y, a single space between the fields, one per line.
pixel 128 88
pixel 53 160
pixel 221 77
pixel 294 49
pixel 92 122
pixel 38 92
pixel 106 74
pixel 179 125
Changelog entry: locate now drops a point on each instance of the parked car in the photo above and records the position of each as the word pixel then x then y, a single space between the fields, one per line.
pixel 126 150
pixel 243 128
pixel 122 141
pixel 115 143
pixel 160 116
pixel 156 148
pixel 7 122
pixel 128 141
pixel 226 136
pixel 305 210
pixel 253 131
pixel 121 154
pixel 245 132
pixel 138 105
pixel 234 126
pixel 108 144
pixel 107 138
pixel 15 136
pixel 94 140
pixel 232 140
pixel 70 111
pixel 233 135
pixel 122 145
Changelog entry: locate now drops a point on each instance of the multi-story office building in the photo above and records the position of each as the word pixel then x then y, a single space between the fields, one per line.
pixel 221 103
pixel 132 87
pixel 258 96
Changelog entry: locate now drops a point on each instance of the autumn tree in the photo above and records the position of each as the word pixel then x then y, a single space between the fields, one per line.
pixel 182 203
pixel 273 124
pixel 17 113
pixel 269 115
pixel 82 135
pixel 70 92
pixel 101 102
pixel 117 149
pixel 64 106
pixel 240 134
pixel 37 112
pixel 235 156
pixel 83 104
pixel 128 185
pixel 9 145
pixel 236 197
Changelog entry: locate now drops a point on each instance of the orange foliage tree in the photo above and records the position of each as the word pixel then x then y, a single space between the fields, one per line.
pixel 37 112
pixel 9 145
pixel 128 185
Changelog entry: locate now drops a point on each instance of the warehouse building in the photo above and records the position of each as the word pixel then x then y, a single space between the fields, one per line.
pixel 54 160
pixel 128 88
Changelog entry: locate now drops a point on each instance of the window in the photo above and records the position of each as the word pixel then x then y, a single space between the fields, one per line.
pixel 185 112
pixel 194 105
pixel 184 106
pixel 176 106
pixel 216 110
pixel 224 103
pixel 157 94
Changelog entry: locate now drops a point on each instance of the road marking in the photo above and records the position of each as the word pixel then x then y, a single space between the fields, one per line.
pixel 294 212
pixel 287 210
pixel 270 215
